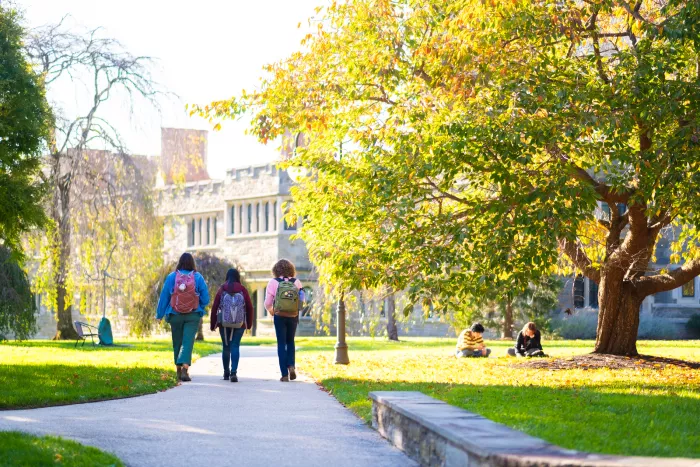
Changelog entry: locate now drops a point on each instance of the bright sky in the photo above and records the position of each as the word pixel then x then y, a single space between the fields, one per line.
pixel 207 50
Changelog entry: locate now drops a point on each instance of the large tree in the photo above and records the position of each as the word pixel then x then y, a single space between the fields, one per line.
pixel 96 196
pixel 24 123
pixel 486 133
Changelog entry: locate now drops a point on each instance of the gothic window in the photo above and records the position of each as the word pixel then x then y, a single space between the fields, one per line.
pixel 208 231
pixel 233 220
pixel 663 297
pixel 579 292
pixel 200 232
pixel 663 252
pixel 274 216
pixel 250 217
pixel 257 217
pixel 592 294
pixel 689 288
pixel 240 218
pixel 267 216
pixel 190 240
pixel 214 233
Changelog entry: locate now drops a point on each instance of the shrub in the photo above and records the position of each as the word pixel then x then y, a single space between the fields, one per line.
pixel 17 308
pixel 582 324
pixel 655 328
pixel 693 325
pixel 211 267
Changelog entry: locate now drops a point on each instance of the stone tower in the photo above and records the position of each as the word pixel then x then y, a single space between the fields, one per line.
pixel 183 155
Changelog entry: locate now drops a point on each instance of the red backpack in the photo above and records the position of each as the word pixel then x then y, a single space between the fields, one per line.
pixel 184 298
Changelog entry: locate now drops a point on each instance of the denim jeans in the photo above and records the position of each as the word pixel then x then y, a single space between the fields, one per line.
pixel 184 329
pixel 285 328
pixel 231 352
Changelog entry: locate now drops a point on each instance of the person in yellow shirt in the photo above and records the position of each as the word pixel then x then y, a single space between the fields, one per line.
pixel 470 342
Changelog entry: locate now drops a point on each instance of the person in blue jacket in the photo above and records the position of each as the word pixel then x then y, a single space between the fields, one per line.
pixel 182 303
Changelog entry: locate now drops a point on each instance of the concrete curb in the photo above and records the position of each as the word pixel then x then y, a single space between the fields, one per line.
pixel 437 434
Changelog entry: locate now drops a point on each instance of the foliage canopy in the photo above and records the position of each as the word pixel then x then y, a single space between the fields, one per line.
pixel 480 137
pixel 24 119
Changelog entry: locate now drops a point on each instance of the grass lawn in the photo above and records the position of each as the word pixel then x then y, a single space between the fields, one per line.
pixel 43 372
pixel 20 449
pixel 645 411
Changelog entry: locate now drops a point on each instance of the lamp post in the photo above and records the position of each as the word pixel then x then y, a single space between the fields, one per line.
pixel 341 347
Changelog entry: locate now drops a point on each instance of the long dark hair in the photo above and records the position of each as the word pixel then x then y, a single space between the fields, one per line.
pixel 186 263
pixel 233 276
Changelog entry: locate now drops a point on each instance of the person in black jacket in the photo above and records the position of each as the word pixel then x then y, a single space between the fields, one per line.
pixel 528 343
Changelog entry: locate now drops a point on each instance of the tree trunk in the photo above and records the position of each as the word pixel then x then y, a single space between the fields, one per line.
pixel 507 332
pixel 618 318
pixel 61 216
pixel 391 330
pixel 200 331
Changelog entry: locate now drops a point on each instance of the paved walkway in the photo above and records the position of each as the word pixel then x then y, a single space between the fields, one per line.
pixel 209 422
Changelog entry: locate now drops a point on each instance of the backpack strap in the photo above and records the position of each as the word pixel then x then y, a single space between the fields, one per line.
pixel 289 279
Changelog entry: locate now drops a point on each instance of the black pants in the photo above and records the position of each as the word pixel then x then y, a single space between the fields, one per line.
pixel 527 353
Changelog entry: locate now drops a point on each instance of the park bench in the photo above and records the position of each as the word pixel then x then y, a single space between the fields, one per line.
pixel 88 331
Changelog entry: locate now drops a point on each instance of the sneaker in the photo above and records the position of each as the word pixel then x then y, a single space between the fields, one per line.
pixel 184 376
pixel 284 379
pixel 234 378
pixel 292 373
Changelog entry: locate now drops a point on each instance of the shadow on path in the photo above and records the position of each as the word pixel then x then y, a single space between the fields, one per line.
pixel 256 422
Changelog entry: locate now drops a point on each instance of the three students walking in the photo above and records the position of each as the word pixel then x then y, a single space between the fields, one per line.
pixel 185 295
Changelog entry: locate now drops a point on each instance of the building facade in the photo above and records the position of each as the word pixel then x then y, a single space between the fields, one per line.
pixel 241 219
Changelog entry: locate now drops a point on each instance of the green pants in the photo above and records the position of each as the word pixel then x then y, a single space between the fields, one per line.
pixel 184 328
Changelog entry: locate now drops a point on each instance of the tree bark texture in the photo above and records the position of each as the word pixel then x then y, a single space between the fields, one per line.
pixel 507 332
pixel 391 330
pixel 61 217
pixel 618 318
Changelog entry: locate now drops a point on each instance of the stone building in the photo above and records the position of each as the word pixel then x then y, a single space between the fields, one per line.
pixel 239 218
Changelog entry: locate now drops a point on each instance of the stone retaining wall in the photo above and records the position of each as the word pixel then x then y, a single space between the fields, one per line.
pixel 437 434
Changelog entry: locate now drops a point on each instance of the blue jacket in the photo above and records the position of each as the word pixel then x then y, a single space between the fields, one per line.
pixel 200 287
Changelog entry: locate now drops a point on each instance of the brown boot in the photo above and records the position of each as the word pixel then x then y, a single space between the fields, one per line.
pixel 184 375
pixel 284 379
pixel 179 371
pixel 292 373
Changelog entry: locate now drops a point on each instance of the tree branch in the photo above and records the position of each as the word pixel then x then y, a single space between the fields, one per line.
pixel 605 191
pixel 649 285
pixel 574 250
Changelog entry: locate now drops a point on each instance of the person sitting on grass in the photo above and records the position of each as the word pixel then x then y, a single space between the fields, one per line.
pixel 470 342
pixel 528 343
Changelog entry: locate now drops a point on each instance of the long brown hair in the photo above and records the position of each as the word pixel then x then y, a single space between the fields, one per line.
pixel 186 263
pixel 529 326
